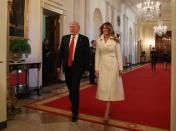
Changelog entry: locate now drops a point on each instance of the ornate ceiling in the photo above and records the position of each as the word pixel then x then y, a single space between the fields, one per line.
pixel 165 7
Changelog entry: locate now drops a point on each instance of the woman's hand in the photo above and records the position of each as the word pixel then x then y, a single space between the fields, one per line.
pixel 120 72
pixel 96 73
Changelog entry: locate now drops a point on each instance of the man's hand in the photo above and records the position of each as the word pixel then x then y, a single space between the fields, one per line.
pixel 97 73
pixel 58 70
pixel 86 72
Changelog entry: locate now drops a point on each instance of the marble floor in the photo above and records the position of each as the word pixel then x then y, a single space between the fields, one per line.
pixel 34 120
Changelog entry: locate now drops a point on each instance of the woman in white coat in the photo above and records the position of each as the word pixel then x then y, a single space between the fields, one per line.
pixel 108 68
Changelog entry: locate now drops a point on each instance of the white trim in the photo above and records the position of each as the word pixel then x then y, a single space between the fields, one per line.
pixel 3 60
pixel 52 6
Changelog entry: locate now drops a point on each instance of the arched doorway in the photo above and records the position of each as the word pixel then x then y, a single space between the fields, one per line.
pixel 97 21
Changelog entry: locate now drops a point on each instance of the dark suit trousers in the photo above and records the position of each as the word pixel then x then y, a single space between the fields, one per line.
pixel 153 64
pixel 92 74
pixel 73 76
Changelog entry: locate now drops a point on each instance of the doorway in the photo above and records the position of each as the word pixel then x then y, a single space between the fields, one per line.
pixel 162 44
pixel 51 38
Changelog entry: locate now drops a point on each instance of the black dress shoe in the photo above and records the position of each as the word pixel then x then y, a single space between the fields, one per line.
pixel 74 118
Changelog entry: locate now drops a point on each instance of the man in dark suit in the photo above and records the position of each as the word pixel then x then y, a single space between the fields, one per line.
pixel 74 55
pixel 153 56
pixel 46 52
pixel 92 62
pixel 165 58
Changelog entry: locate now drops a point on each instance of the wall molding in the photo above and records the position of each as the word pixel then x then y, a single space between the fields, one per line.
pixel 53 6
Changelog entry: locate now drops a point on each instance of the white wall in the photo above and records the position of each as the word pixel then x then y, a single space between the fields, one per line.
pixel 79 14
pixel 148 38
pixel 35 36
pixel 67 16
pixel 107 9
pixel 3 61
pixel 97 22
pixel 35 23
pixel 131 42
pixel 93 4
pixel 128 20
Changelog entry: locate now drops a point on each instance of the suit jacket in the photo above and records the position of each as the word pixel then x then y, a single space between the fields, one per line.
pixel 81 56
pixel 153 55
pixel 92 56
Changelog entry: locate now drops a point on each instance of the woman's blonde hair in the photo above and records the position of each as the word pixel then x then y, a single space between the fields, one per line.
pixel 111 30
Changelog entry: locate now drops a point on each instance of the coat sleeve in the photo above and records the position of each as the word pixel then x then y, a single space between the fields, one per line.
pixel 87 54
pixel 60 54
pixel 119 56
pixel 97 57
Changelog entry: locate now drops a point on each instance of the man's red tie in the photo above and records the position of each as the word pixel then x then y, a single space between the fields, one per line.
pixel 70 55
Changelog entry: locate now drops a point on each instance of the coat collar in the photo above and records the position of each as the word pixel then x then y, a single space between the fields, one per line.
pixel 76 36
pixel 102 37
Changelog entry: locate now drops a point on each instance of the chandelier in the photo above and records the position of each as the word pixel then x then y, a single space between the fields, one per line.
pixel 160 29
pixel 148 10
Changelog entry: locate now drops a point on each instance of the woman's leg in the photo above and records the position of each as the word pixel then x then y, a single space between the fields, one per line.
pixel 110 109
pixel 107 111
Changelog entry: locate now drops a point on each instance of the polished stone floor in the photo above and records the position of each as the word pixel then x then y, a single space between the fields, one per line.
pixel 33 120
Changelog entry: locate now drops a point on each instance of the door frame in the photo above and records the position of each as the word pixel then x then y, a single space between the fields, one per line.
pixel 3 63
pixel 57 8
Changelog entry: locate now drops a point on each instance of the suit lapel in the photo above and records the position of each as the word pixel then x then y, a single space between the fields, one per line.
pixel 78 45
pixel 78 42
pixel 68 42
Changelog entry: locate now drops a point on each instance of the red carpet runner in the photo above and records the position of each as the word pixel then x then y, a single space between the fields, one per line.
pixel 147 100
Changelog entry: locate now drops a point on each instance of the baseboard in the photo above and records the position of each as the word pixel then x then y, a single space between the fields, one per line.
pixel 3 125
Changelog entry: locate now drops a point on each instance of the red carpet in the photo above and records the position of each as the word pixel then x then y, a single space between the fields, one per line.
pixel 147 99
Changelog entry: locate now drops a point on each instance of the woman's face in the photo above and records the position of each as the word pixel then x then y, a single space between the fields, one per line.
pixel 106 30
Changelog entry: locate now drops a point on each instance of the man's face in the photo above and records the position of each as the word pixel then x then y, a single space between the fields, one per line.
pixel 74 28
pixel 94 44
pixel 47 42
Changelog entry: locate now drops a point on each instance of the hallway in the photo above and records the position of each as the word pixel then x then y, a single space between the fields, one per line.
pixel 136 37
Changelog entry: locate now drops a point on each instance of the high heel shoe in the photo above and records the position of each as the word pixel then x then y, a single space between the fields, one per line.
pixel 110 113
pixel 106 119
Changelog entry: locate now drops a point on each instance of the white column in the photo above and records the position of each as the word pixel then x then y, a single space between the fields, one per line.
pixel 108 11
pixel 87 17
pixel 35 25
pixel 79 14
pixel 35 37
pixel 3 63
pixel 173 72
